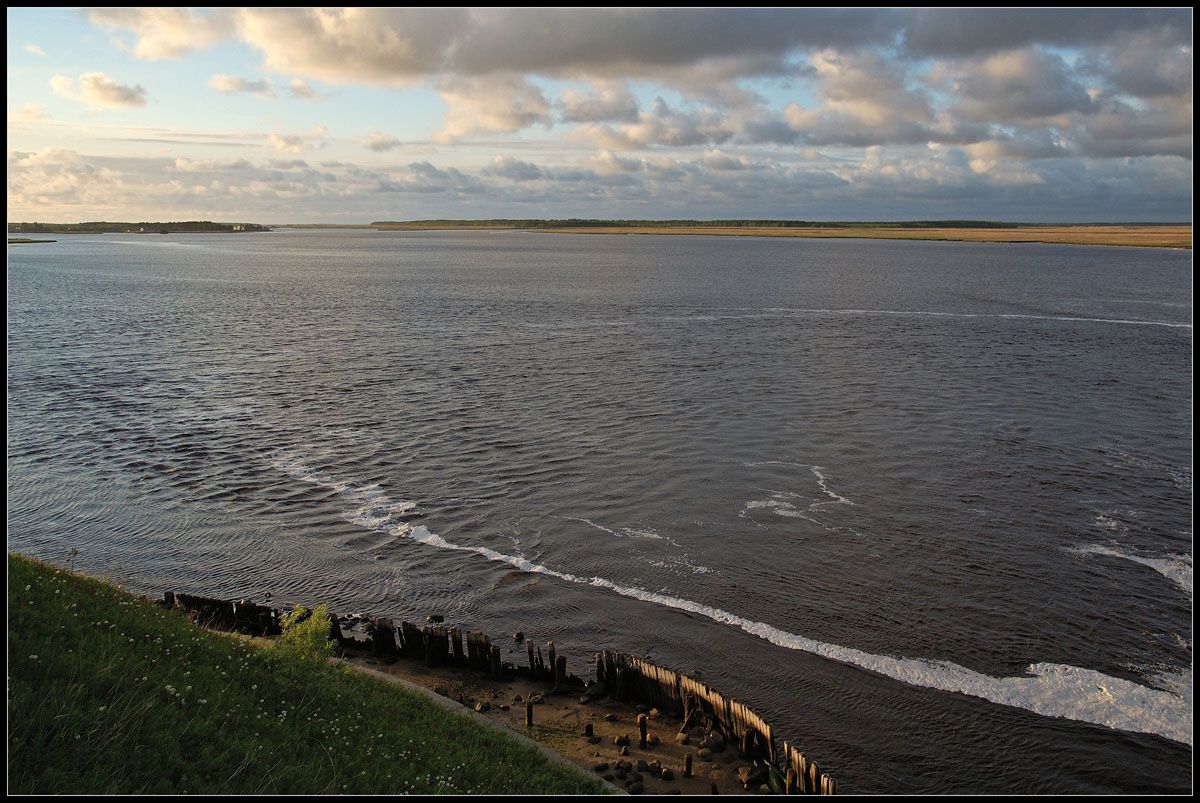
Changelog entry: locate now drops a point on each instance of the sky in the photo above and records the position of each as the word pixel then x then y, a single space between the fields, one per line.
pixel 356 115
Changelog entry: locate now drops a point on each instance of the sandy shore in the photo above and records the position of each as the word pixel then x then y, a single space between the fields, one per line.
pixel 1154 236
pixel 560 722
pixel 1145 236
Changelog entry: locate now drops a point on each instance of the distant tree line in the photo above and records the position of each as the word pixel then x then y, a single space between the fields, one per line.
pixel 789 224
pixel 107 227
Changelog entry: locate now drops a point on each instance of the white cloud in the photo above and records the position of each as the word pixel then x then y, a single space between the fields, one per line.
pixel 30 114
pixel 302 89
pixel 716 160
pixel 166 33
pixel 231 84
pixel 661 125
pixel 513 169
pixel 609 102
pixel 299 143
pixel 494 104
pixel 370 45
pixel 34 49
pixel 1019 86
pixel 97 89
pixel 378 142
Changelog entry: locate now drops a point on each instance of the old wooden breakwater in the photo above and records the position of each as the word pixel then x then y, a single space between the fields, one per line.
pixel 625 677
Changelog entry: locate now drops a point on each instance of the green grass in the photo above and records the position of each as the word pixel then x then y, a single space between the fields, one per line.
pixel 110 694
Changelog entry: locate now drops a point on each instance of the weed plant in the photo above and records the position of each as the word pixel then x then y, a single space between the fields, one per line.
pixel 111 694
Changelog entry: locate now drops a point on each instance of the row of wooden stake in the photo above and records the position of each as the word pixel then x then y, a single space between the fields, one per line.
pixel 632 678
pixel 626 678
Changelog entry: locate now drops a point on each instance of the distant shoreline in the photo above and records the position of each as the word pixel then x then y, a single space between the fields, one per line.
pixel 1148 236
pixel 1145 235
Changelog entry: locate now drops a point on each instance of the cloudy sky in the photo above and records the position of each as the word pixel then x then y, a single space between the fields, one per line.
pixel 355 115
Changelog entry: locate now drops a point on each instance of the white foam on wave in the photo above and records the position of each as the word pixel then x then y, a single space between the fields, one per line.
pixel 624 532
pixel 652 534
pixel 1176 568
pixel 371 508
pixel 779 504
pixel 1054 690
pixel 1002 315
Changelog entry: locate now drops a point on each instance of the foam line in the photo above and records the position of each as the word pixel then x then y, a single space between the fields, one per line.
pixel 1054 690
pixel 625 532
pixel 1177 569
pixel 1025 316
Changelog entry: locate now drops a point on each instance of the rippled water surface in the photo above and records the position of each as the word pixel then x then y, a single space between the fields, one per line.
pixel 924 506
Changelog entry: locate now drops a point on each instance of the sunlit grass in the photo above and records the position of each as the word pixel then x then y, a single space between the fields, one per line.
pixel 110 694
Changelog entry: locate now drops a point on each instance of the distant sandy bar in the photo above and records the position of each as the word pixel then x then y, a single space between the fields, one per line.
pixel 1161 236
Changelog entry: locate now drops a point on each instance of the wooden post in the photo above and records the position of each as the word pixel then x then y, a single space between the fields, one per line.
pixel 550 655
pixel 828 785
pixel 750 743
pixel 687 766
pixel 429 639
pixel 456 640
pixel 560 675
pixel 529 714
pixel 642 731
pixel 414 640
pixel 383 639
pixel 814 778
pixel 529 650
pixel 495 660
pixel 790 784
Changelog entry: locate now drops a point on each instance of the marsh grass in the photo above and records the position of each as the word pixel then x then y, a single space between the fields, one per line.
pixel 110 694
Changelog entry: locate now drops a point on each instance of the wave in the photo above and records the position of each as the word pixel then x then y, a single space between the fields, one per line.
pixel 1176 568
pixel 1054 690
pixel 1002 315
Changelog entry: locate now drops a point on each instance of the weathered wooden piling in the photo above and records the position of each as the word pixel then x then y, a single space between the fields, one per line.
pixel 627 678
pixel 560 675
pixel 494 656
pixel 413 640
pixel 435 643
pixel 383 639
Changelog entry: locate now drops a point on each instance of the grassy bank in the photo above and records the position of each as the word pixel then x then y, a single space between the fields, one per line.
pixel 110 694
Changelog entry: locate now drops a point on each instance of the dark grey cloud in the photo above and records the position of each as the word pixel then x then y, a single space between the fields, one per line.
pixel 979 31
pixel 1020 85
pixel 609 103
pixel 514 169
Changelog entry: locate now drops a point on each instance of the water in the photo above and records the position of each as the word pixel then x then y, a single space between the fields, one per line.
pixel 926 507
